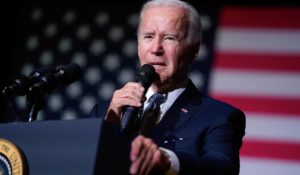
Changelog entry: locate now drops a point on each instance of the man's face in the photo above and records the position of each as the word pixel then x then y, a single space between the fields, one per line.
pixel 162 42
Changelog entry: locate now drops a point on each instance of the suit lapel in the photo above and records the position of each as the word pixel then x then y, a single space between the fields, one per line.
pixel 181 111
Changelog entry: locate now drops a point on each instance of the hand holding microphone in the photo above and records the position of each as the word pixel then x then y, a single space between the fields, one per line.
pixel 144 78
pixel 127 101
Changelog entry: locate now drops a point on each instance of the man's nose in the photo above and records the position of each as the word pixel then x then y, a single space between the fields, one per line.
pixel 157 47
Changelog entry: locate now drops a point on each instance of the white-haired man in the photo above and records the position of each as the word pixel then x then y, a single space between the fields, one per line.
pixel 195 133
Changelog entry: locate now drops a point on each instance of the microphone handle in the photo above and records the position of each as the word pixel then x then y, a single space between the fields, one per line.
pixel 127 123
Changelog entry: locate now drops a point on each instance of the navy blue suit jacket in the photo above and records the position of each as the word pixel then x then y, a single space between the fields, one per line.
pixel 204 133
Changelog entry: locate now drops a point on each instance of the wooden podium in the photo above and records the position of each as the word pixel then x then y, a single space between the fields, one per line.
pixel 69 147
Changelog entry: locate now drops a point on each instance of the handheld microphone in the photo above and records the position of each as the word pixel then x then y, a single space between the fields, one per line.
pixel 20 85
pixel 145 78
pixel 63 76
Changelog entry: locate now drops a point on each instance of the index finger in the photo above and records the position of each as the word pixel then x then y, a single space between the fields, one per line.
pixel 136 147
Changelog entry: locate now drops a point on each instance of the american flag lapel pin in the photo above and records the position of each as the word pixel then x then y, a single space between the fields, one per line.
pixel 184 110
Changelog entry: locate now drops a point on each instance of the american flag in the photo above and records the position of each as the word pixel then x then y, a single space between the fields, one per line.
pixel 249 58
pixel 257 68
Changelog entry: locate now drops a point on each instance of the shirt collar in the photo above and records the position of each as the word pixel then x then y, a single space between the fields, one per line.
pixel 180 87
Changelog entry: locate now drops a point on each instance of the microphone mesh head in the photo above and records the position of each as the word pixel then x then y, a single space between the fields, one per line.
pixel 146 75
pixel 147 70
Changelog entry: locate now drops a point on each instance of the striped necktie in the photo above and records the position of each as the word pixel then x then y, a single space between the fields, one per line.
pixel 151 114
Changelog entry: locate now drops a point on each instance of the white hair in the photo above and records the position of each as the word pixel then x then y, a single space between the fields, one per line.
pixel 194 30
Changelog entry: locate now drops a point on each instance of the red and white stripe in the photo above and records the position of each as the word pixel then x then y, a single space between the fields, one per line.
pixel 257 68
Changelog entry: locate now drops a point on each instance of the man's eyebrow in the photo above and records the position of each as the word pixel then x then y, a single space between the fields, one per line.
pixel 147 33
pixel 171 34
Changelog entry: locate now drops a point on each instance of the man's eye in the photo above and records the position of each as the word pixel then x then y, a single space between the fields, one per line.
pixel 170 38
pixel 148 37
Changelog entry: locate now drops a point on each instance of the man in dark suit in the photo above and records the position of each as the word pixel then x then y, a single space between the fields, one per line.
pixel 195 134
